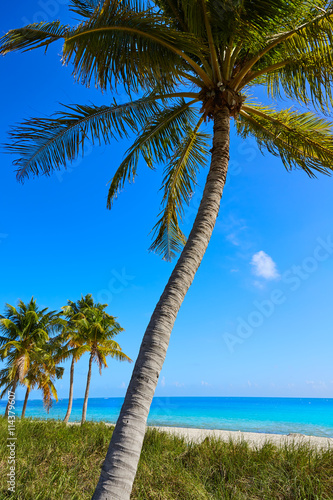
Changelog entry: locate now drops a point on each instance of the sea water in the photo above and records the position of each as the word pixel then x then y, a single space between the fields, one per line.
pixel 270 415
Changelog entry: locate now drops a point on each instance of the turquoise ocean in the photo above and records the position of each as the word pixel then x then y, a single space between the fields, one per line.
pixel 271 415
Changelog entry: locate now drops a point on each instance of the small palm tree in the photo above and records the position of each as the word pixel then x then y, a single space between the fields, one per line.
pixel 72 339
pixel 183 63
pixel 42 373
pixel 97 330
pixel 24 330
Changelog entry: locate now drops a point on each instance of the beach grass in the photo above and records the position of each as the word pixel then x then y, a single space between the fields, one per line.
pixel 59 462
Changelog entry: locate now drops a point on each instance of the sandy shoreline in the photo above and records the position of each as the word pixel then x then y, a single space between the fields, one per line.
pixel 254 439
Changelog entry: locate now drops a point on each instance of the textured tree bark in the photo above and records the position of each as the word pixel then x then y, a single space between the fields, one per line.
pixel 119 468
pixel 13 391
pixel 70 397
pixel 85 402
pixel 25 401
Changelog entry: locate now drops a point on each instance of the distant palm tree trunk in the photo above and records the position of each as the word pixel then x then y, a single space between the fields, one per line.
pixel 119 468
pixel 25 401
pixel 13 391
pixel 70 399
pixel 85 403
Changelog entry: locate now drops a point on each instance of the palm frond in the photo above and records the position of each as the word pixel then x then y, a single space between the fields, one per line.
pixel 306 77
pixel 302 140
pixel 172 9
pixel 86 8
pixel 8 386
pixel 46 144
pixel 134 48
pixel 315 33
pixel 178 185
pixel 59 371
pixel 33 36
pixel 156 142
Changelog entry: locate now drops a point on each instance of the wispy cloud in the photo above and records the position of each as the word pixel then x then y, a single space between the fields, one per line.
pixel 233 239
pixel 162 382
pixel 234 230
pixel 316 385
pixel 264 266
pixel 178 384
pixel 206 384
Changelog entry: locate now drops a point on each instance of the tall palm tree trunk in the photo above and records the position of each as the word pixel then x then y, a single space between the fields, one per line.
pixel 13 391
pixel 70 397
pixel 25 402
pixel 119 468
pixel 85 402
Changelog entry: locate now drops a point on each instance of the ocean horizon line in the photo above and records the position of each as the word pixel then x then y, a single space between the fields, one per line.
pixel 184 397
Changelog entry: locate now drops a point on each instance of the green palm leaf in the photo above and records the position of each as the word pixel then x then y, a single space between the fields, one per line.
pixel 312 34
pixel 302 140
pixel 173 10
pixel 305 76
pixel 85 8
pixel 45 144
pixel 156 142
pixel 33 36
pixel 132 47
pixel 178 185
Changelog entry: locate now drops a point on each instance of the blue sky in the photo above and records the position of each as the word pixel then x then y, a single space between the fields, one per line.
pixel 257 320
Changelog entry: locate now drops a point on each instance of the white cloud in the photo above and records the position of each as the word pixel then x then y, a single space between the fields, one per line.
pixel 123 385
pixel 163 382
pixel 205 383
pixel 178 384
pixel 264 266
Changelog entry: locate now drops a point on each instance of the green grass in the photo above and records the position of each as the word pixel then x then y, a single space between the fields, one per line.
pixel 56 462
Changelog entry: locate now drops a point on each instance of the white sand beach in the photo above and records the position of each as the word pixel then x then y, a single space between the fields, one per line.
pixel 255 439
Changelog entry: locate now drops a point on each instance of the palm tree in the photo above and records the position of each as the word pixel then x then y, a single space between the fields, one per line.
pixel 41 374
pixel 24 330
pixel 73 340
pixel 97 330
pixel 190 62
pixel 43 371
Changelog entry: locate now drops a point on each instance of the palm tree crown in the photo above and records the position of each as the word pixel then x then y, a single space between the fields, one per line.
pixel 22 330
pixel 185 60
pixel 25 345
pixel 92 330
